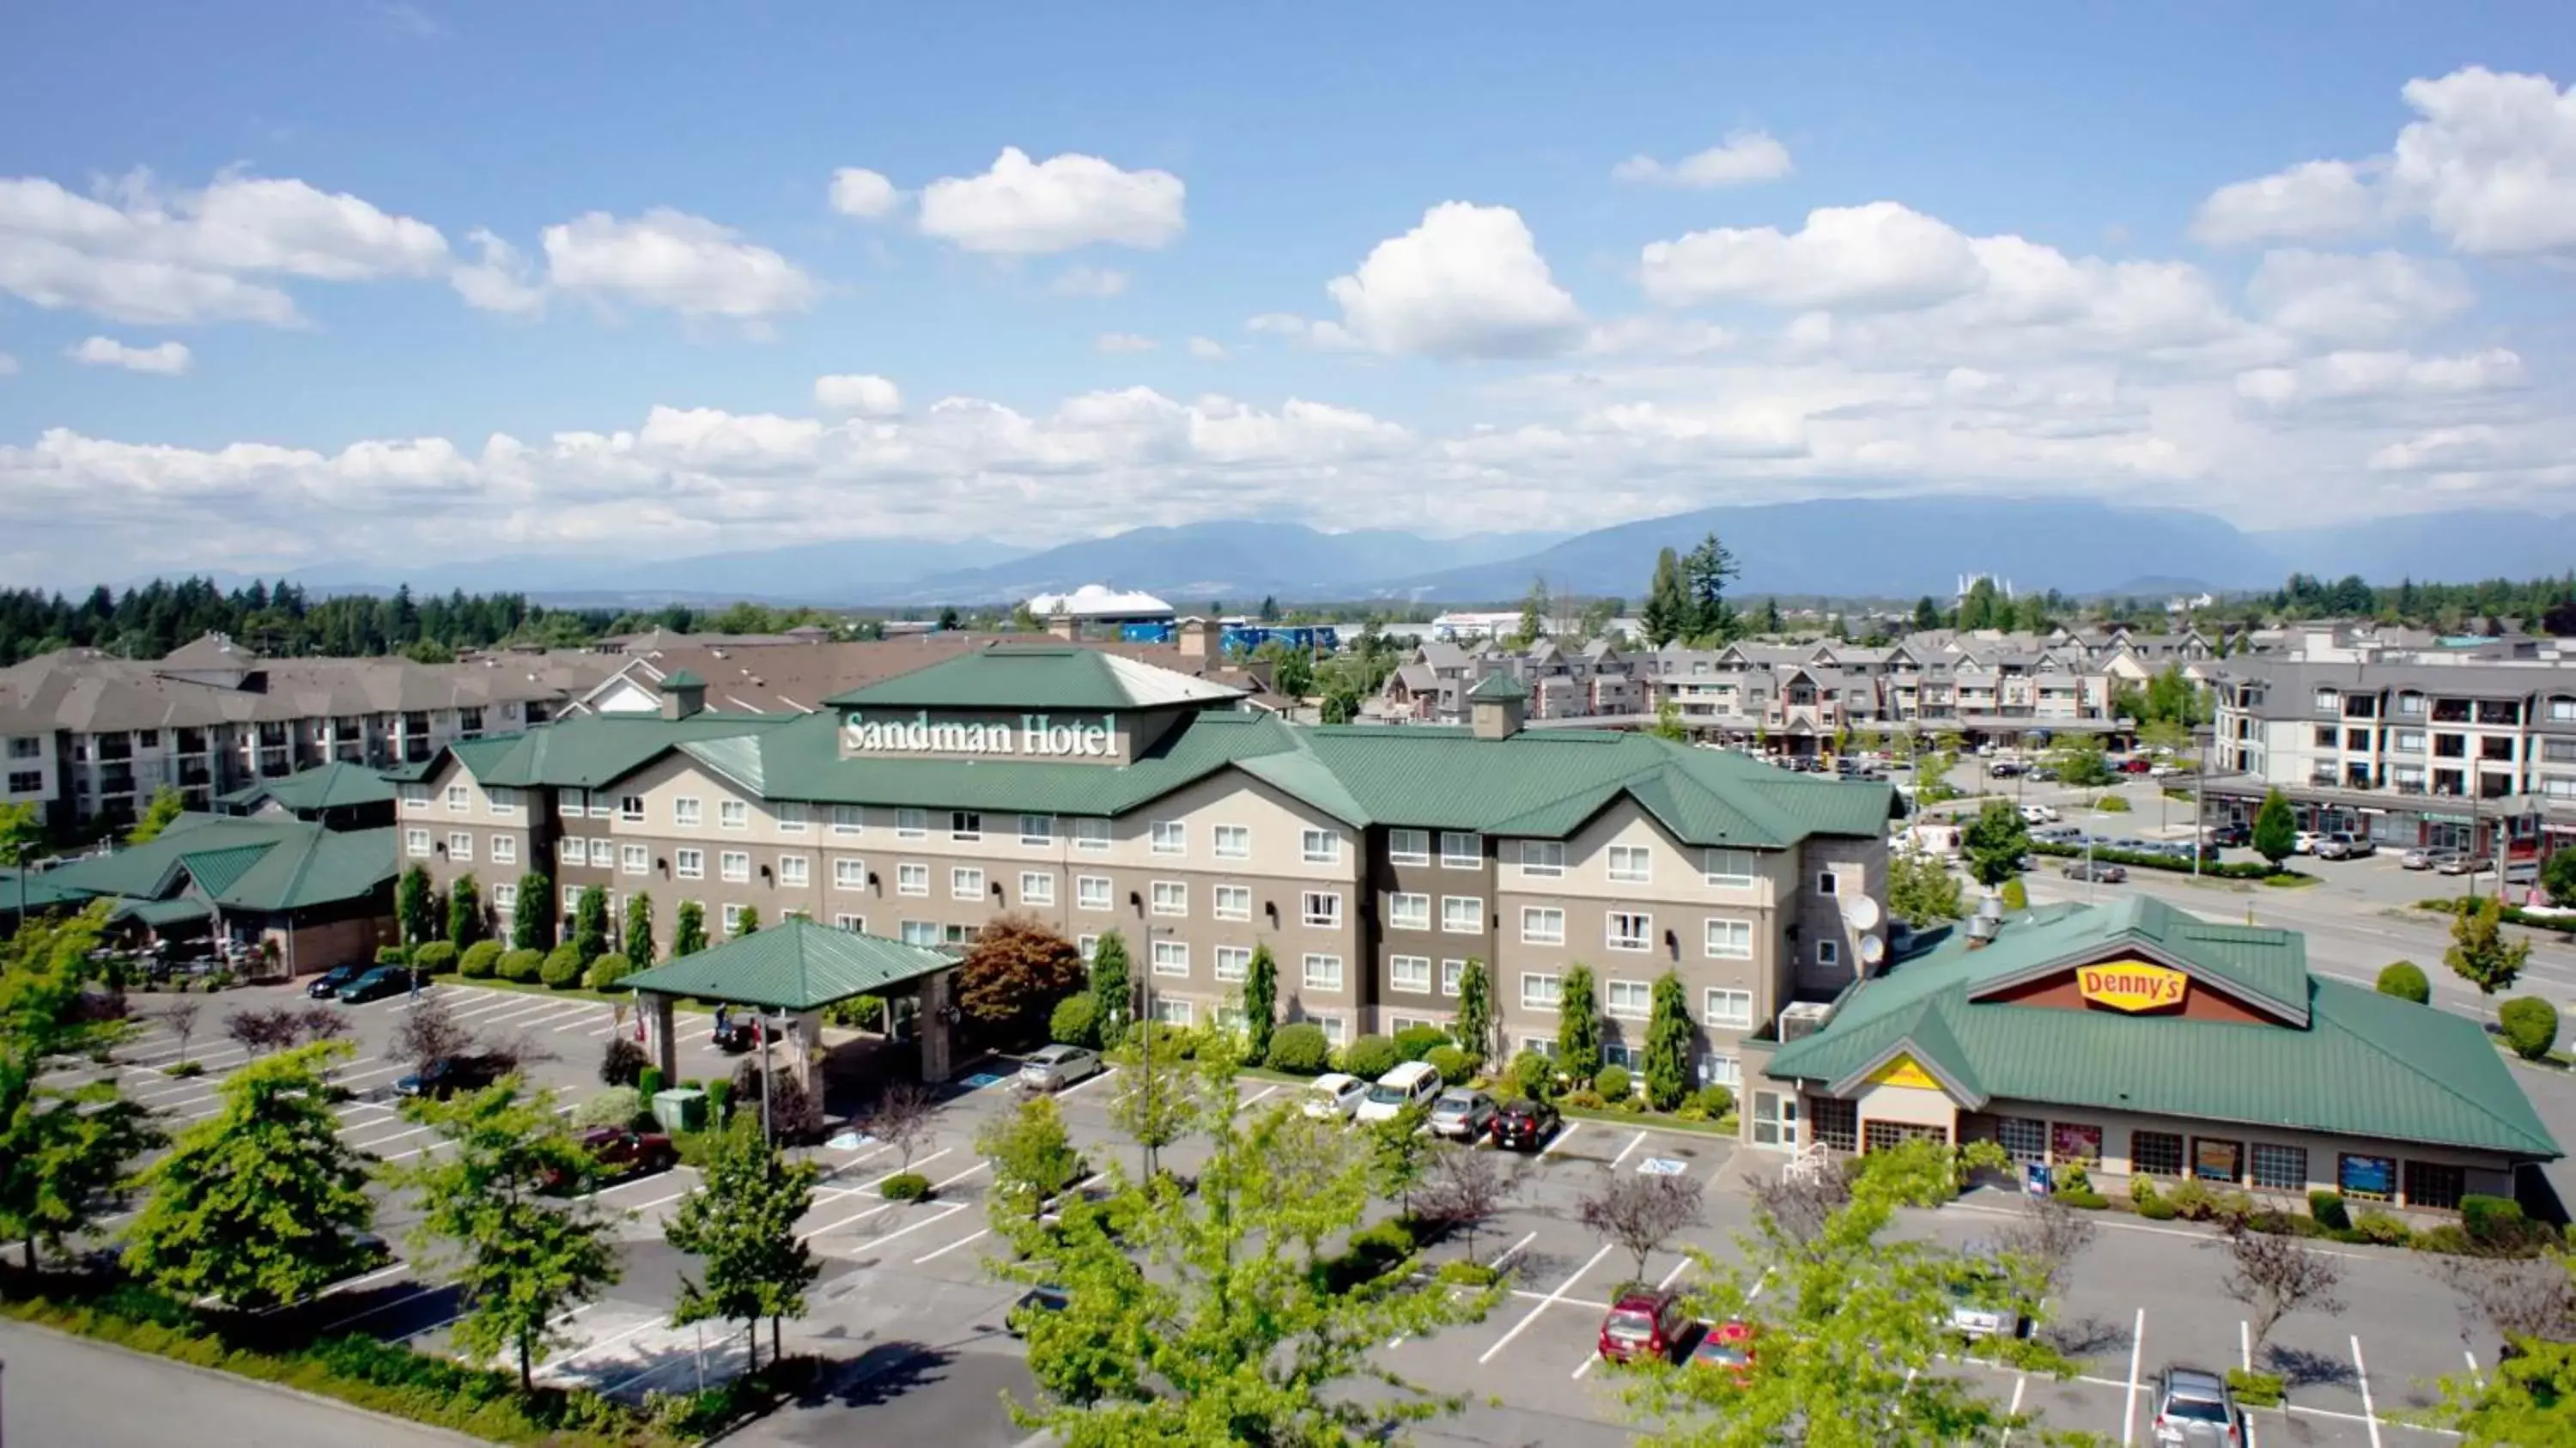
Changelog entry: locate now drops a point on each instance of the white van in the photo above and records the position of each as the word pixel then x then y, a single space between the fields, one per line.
pixel 1412 1084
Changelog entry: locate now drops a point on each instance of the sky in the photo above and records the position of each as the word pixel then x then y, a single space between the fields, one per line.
pixel 286 285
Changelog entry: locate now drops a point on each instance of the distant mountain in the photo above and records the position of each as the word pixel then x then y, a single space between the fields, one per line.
pixel 1201 563
pixel 2465 546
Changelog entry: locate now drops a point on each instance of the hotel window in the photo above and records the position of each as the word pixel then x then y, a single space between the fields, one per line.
pixel 458 799
pixel 792 872
pixel 2155 1153
pixel 1171 1012
pixel 1408 912
pixel 416 843
pixel 1829 952
pixel 1227 1018
pixel 912 879
pixel 1171 897
pixel 1775 1118
pixel 1631 1000
pixel 1409 1023
pixel 630 808
pixel 1543 858
pixel 505 850
pixel 790 816
pixel 1727 868
pixel 1232 842
pixel 1630 864
pixel 855 924
pixel 1170 837
pixel 1323 972
pixel 965 824
pixel 501 801
pixel 1719 1070
pixel 1408 847
pixel 689 864
pixel 848 819
pixel 2280 1168
pixel 1091 892
pixel 1331 1026
pixel 1630 931
pixel 572 897
pixel 2434 1186
pixel 1461 851
pixel 572 804
pixel 1233 902
pixel 1541 992
pixel 505 899
pixel 732 919
pixel 732 814
pixel 2023 1138
pixel 1826 883
pixel 600 808
pixel 1540 1046
pixel 1320 847
pixel 849 874
pixel 1727 1010
pixel 1233 962
pixel 1037 887
pixel 603 852
pixel 1088 946
pixel 1453 976
pixel 1409 973
pixel 1542 925
pixel 415 796
pixel 636 859
pixel 734 866
pixel 1037 831
pixel 911 824
pixel 1091 835
pixel 1322 908
pixel 1462 914
pixel 684 813
pixel 1171 957
pixel 460 848
pixel 920 932
pixel 1730 940
pixel 966 882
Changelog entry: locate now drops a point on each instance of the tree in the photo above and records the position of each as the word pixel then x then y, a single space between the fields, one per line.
pixel 1032 1155
pixel 1115 993
pixel 1260 996
pixel 2275 832
pixel 689 930
pixel 1341 705
pixel 1667 612
pixel 1399 1152
pixel 1978 605
pixel 1269 612
pixel 532 917
pixel 1292 671
pixel 415 909
pixel 2079 763
pixel 2166 736
pixel 495 1222
pixel 1927 614
pixel 1641 1213
pixel 1463 1190
pixel 1015 972
pixel 2275 1275
pixel 1706 572
pixel 590 924
pixel 464 912
pixel 2525 1399
pixel 1995 842
pixel 746 921
pixel 1578 1024
pixel 1161 1098
pixel 635 942
pixel 2047 1238
pixel 2481 952
pixel 260 1203
pixel 1207 1315
pixel 64 1143
pixel 179 1018
pixel 1475 1025
pixel 1536 607
pixel 903 1116
pixel 949 621
pixel 22 828
pixel 1668 723
pixel 1769 624
pixel 741 1223
pixel 166 805
pixel 1668 1044
pixel 261 1029
pixel 428 1034
pixel 1921 891
pixel 2405 980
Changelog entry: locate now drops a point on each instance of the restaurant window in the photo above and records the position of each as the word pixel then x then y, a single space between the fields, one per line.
pixel 2280 1168
pixel 2216 1159
pixel 2024 1139
pixel 1775 1119
pixel 1836 1123
pixel 2366 1178
pixel 2075 1144
pixel 2155 1153
pixel 2434 1186
pixel 1889 1135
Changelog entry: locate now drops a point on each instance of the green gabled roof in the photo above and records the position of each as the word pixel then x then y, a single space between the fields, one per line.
pixel 795 965
pixel 683 680
pixel 2364 1065
pixel 263 864
pixel 42 891
pixel 1499 686
pixel 801 760
pixel 219 870
pixel 596 749
pixel 1036 676
pixel 158 913
pixel 736 757
pixel 328 786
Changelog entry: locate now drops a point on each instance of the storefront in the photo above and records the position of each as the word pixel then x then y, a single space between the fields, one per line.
pixel 2136 1040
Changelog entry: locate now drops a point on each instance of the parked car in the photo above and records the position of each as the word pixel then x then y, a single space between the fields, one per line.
pixel 1333 1096
pixel 379 982
pixel 1978 1305
pixel 1643 1324
pixel 2455 862
pixel 2005 769
pixel 2137 764
pixel 2045 774
pixel 2342 845
pixel 2230 837
pixel 1524 1125
pixel 1053 1068
pixel 1727 1348
pixel 2418 859
pixel 2101 871
pixel 2039 814
pixel 2304 842
pixel 326 986
pixel 1042 1298
pixel 445 1078
pixel 2194 1409
pixel 1462 1115
pixel 1411 1083
pixel 622 1155
pixel 2162 770
pixel 2058 834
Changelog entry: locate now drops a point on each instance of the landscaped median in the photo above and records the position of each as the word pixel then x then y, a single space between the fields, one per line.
pixel 2488 1226
pixel 2562 921
pixel 2263 873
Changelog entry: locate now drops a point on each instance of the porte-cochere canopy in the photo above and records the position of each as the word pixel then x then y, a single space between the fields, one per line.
pixel 795 965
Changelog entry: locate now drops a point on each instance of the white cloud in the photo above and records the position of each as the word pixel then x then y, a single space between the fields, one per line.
pixel 1025 207
pixel 2337 298
pixel 1877 257
pixel 862 393
pixel 2478 447
pixel 1660 336
pixel 1124 342
pixel 864 194
pixel 670 259
pixel 168 359
pixel 1090 281
pixel 2346 376
pixel 1744 156
pixel 500 281
pixel 1467 282
pixel 1207 349
pixel 2313 200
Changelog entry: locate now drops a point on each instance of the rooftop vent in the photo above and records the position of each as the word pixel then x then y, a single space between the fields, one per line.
pixel 1986 923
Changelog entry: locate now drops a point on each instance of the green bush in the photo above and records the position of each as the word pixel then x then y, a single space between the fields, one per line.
pixel 1612 1083
pixel 479 960
pixel 1075 1022
pixel 185 1069
pixel 1689 1111
pixel 2405 980
pixel 2256 1390
pixel 436 957
pixel 2329 1211
pixel 859 1013
pixel 909 1186
pixel 1369 1057
pixel 1373 1252
pixel 2510 914
pixel 719 1100
pixel 607 971
pixel 2498 1223
pixel 2156 1209
pixel 2138 860
pixel 520 966
pixel 2072 1177
pixel 392 955
pixel 2283 1224
pixel 649 1083
pixel 1450 1062
pixel 2449 1238
pixel 562 967
pixel 1713 1101
pixel 2530 1026
pixel 2382 1229
pixel 1416 1043
pixel 1582 1100
pixel 2112 804
pixel 1534 1076
pixel 1300 1049
pixel 2084 1201
pixel 1468 1274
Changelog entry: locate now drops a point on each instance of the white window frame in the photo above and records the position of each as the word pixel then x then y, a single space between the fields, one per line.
pixel 1630 865
pixel 505 897
pixel 855 924
pixel 1462 914
pixel 1321 971
pixel 1091 834
pixel 1093 892
pixel 1037 831
pixel 1542 925
pixel 1088 947
pixel 912 878
pixel 966 826
pixel 911 824
pixel 1727 869
pixel 416 843
pixel 1321 909
pixel 1408 910
pixel 1724 1008
pixel 1461 850
pixel 734 867
pixel 501 800
pixel 415 796
pixel 966 882
pixel 460 847
pixel 1231 902
pixel 1409 973
pixel 795 872
pixel 1319 847
pixel 1170 898
pixel 1172 1012
pixel 1230 842
pixel 1719 935
pixel 1408 847
pixel 1829 952
pixel 1333 1027
pixel 1037 887
pixel 1233 962
pixel 460 800
pixel 1453 976
pixel 603 853
pixel 849 873
pixel 730 921
pixel 789 815
pixel 919 932
pixel 635 859
pixel 1613 938
pixel 1169 839
pixel 849 819
pixel 1542 990
pixel 689 864
pixel 687 813
pixel 572 897
pixel 504 850
pixel 1170 957
pixel 630 808
pixel 733 814
pixel 1542 859
pixel 1628 1000
pixel 1717 1068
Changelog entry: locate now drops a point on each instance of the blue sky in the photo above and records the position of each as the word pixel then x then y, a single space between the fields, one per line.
pixel 252 320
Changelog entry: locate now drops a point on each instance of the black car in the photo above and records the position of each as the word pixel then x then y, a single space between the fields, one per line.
pixel 1036 1299
pixel 376 984
pixel 1524 1125
pixel 326 986
pixel 445 1078
pixel 2231 837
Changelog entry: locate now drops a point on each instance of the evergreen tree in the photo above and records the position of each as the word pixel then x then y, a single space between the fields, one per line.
pixel 689 931
pixel 464 911
pixel 1260 1002
pixel 740 1223
pixel 1977 606
pixel 2275 832
pixel 746 921
pixel 1111 988
pixel 636 942
pixel 1578 1024
pixel 1705 575
pixel 1666 615
pixel 1535 608
pixel 590 924
pixel 532 918
pixel 1768 622
pixel 1475 1028
pixel 414 909
pixel 1668 1044
pixel 1927 614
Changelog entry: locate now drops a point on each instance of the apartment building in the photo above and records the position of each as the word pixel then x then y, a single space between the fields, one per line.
pixel 90 737
pixel 1096 793
pixel 1592 681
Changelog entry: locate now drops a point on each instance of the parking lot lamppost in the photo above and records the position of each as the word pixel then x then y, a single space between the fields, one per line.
pixel 1145 1047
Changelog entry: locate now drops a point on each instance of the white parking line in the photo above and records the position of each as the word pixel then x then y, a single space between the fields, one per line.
pixel 890 1206
pixel 576 1023
pixel 2129 1404
pixel 2361 1374
pixel 951 1247
pixel 1104 1074
pixel 657 1201
pixel 945 1213
pixel 650 1322
pixel 383 1140
pixel 2474 1375
pixel 1512 1251
pixel 1562 1132
pixel 1544 1303
pixel 1257 1097
pixel 1633 1143
pixel 380 1274
pixel 2020 1381
pixel 414 1295
pixel 836 1193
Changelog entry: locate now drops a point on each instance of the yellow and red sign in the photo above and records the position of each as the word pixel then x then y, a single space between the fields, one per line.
pixel 1902 1071
pixel 2131 985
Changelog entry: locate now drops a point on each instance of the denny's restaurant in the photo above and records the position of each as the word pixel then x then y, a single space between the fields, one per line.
pixel 2132 1038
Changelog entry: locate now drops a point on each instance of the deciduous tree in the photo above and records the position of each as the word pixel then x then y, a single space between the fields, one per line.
pixel 429 1033
pixel 740 1223
pixel 2275 832
pixel 179 1018
pixel 2481 952
pixel 903 1117
pixel 1464 1189
pixel 1015 972
pixel 1641 1213
pixel 1578 1024
pixel 1921 891
pixel 64 1147
pixel 2274 1275
pixel 1160 1098
pixel 1994 843
pixel 1032 1155
pixel 166 806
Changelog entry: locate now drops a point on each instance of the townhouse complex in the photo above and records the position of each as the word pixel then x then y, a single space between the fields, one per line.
pixel 1095 793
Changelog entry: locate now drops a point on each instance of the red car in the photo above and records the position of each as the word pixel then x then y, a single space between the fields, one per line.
pixel 1727 1348
pixel 2138 765
pixel 623 1155
pixel 1643 1324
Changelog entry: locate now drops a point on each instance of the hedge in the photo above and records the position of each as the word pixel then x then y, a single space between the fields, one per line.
pixel 2530 1026
pixel 520 966
pixel 479 960
pixel 909 1186
pixel 562 967
pixel 1299 1047
pixel 1416 1043
pixel 1369 1057
pixel 607 971
pixel 436 957
pixel 392 955
pixel 2510 914
pixel 1075 1022
pixel 1451 1063
pixel 1612 1083
pixel 2143 860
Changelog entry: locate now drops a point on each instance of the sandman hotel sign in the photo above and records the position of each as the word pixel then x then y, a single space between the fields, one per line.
pixel 2131 985
pixel 1032 736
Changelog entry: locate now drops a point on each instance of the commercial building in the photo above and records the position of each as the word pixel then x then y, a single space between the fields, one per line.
pixel 2133 1039
pixel 1096 793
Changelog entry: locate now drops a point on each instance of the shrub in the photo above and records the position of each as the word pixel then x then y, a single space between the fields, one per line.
pixel 1372 1253
pixel 2156 1209
pixel 2405 980
pixel 909 1186
pixel 2072 1177
pixel 519 966
pixel 858 1013
pixel 719 1101
pixel 2142 1189
pixel 1689 1111
pixel 2112 804
pixel 1369 1057
pixel 607 971
pixel 1468 1274
pixel 1612 1083
pixel 1534 1075
pixel 392 955
pixel 1713 1101
pixel 2530 1026
pixel 609 1108
pixel 622 1061
pixel 2382 1229
pixel 562 967
pixel 2256 1390
pixel 2084 1201
pixel 1583 1100
pixel 2328 1210
pixel 1075 1022
pixel 2016 895
pixel 479 959
pixel 185 1069
pixel 1450 1062
pixel 2498 1223
pixel 1416 1043
pixel 2449 1238
pixel 649 1083
pixel 1300 1049
pixel 436 957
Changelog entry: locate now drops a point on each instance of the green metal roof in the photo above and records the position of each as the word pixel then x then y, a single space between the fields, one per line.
pixel 596 749
pixel 43 890
pixel 795 965
pixel 2363 1064
pixel 267 864
pixel 1498 686
pixel 684 679
pixel 158 913
pixel 328 786
pixel 1035 676
pixel 219 870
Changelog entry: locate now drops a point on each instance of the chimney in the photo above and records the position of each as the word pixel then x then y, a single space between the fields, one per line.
pixel 683 694
pixel 1196 635
pixel 1060 624
pixel 1497 706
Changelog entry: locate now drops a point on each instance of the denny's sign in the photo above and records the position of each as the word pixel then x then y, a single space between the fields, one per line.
pixel 2131 985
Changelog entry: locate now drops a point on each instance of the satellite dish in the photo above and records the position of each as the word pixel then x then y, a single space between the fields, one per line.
pixel 1872 950
pixel 1862 912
